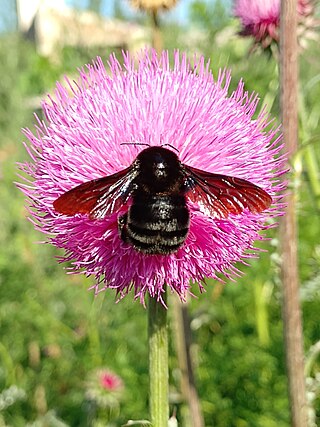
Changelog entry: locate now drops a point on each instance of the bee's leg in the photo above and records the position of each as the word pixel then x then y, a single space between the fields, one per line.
pixel 122 227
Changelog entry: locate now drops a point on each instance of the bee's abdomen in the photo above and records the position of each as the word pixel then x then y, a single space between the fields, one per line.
pixel 156 225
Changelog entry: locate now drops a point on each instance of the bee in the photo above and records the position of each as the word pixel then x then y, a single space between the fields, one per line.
pixel 154 192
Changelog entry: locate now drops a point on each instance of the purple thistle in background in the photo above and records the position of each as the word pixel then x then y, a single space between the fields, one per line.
pixel 97 127
pixel 104 387
pixel 260 19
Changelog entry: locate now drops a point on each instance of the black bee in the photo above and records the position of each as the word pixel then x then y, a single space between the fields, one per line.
pixel 156 188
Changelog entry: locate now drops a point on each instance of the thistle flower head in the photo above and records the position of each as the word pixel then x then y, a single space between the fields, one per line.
pixel 260 19
pixel 104 387
pixel 109 381
pixel 152 103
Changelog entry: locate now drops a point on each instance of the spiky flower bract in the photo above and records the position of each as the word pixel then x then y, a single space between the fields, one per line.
pixel 150 102
pixel 260 19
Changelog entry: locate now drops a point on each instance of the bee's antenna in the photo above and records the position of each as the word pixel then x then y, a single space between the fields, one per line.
pixel 134 143
pixel 171 146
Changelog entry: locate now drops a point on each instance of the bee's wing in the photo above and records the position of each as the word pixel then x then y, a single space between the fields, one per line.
pixel 99 197
pixel 221 195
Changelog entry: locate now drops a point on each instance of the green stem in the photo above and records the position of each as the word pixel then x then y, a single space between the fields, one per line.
pixel 158 363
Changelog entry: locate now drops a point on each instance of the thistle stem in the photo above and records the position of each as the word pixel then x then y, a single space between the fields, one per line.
pixel 158 363
pixel 193 414
pixel 290 277
pixel 157 42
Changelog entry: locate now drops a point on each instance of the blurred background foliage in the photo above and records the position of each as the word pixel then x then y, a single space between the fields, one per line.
pixel 54 333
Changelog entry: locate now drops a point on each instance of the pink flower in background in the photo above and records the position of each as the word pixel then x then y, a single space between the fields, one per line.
pixel 97 127
pixel 104 387
pixel 261 18
pixel 110 381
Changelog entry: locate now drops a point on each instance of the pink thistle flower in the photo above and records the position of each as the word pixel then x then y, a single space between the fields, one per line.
pixel 110 381
pixel 104 387
pixel 153 104
pixel 261 18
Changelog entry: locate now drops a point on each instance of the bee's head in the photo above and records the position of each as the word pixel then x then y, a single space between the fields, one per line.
pixel 159 167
